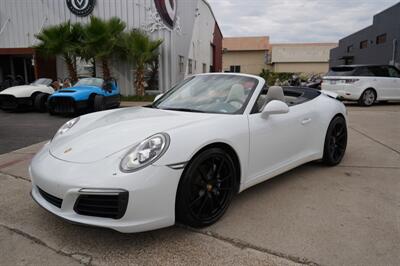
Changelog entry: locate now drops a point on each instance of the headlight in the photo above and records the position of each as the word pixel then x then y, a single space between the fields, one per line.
pixel 145 153
pixel 67 126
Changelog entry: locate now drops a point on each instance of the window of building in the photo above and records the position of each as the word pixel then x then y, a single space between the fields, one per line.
pixel 350 48
pixel 364 44
pixel 204 67
pixel 235 69
pixel 181 63
pixel 190 66
pixel 195 65
pixel 381 39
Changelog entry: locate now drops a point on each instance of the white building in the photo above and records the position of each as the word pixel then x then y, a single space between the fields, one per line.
pixel 192 41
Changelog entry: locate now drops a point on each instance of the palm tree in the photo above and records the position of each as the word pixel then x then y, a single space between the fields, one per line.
pixel 64 40
pixel 138 48
pixel 100 39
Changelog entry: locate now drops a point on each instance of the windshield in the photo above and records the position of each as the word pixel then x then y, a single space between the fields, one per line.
pixel 42 81
pixel 227 94
pixel 98 82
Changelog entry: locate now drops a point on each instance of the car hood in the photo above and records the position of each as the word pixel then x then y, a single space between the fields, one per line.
pixel 102 134
pixel 22 91
pixel 76 90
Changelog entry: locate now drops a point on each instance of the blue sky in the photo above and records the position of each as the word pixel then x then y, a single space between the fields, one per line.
pixel 296 20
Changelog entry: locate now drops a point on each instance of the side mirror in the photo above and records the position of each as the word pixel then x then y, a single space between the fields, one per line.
pixel 158 97
pixel 107 86
pixel 275 107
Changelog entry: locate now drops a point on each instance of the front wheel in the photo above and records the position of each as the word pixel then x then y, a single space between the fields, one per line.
pixel 335 141
pixel 367 98
pixel 98 103
pixel 39 102
pixel 206 188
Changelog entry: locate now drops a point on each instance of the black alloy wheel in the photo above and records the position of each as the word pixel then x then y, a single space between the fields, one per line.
pixel 206 188
pixel 335 141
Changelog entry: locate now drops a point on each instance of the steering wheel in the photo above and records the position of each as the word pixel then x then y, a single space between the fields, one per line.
pixel 236 103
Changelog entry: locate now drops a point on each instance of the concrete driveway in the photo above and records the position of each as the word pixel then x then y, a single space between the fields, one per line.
pixel 349 214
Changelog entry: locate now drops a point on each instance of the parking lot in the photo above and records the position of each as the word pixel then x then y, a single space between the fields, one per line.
pixel 315 215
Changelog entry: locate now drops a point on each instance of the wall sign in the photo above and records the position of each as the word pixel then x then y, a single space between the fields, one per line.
pixel 167 10
pixel 81 8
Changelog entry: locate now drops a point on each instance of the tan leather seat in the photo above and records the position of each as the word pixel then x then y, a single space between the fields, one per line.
pixel 236 96
pixel 274 93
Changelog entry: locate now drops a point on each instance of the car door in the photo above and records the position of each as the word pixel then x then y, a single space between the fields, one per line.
pixel 394 92
pixel 279 141
pixel 381 82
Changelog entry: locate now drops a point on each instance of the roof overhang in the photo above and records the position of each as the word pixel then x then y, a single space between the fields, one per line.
pixel 17 51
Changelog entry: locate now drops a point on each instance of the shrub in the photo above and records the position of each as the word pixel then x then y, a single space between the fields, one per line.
pixel 271 77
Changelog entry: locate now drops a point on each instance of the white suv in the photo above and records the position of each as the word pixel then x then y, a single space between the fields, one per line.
pixel 363 83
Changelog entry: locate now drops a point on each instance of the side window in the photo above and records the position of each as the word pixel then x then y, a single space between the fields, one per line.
pixel 363 72
pixel 379 71
pixel 259 104
pixel 384 71
pixel 394 72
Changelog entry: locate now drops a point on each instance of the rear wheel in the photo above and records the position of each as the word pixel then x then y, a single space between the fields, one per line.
pixel 98 103
pixel 39 102
pixel 206 188
pixel 335 141
pixel 367 98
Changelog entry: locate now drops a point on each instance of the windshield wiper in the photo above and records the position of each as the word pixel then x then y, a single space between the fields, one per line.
pixel 183 110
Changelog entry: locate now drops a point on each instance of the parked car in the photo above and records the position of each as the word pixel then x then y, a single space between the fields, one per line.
pixel 314 82
pixel 185 156
pixel 88 94
pixel 364 83
pixel 32 95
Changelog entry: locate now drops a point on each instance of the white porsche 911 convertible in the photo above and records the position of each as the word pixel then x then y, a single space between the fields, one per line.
pixel 185 156
pixel 32 95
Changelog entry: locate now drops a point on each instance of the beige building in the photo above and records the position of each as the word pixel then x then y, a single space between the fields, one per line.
pixel 252 54
pixel 245 54
pixel 301 57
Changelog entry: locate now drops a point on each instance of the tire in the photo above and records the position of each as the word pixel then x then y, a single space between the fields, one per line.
pixel 98 103
pixel 52 112
pixel 206 188
pixel 368 97
pixel 39 102
pixel 335 141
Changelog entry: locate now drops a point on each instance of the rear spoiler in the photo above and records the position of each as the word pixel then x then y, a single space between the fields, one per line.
pixel 330 94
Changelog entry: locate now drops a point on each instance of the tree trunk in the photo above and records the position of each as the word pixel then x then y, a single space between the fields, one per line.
pixel 139 82
pixel 94 67
pixel 71 69
pixel 106 69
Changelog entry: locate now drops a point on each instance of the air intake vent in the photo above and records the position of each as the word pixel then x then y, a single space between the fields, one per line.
pixel 63 105
pixel 107 206
pixel 50 198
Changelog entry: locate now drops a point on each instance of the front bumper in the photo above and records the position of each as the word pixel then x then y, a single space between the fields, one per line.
pixel 67 105
pixel 152 191
pixel 10 102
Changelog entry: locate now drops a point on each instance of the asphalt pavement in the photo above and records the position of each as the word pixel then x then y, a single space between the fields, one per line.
pixel 24 128
pixel 20 129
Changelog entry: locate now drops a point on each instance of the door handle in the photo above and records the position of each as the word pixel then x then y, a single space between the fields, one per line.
pixel 306 121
